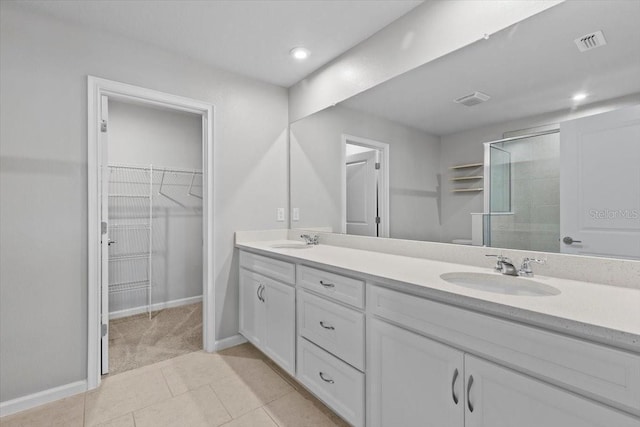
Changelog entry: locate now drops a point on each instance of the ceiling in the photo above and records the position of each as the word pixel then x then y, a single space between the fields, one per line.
pixel 531 68
pixel 252 38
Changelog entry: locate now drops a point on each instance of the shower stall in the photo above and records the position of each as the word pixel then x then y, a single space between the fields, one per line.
pixel 522 204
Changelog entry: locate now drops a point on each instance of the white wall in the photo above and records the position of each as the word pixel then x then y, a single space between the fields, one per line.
pixel 430 31
pixel 142 135
pixel 316 144
pixel 43 182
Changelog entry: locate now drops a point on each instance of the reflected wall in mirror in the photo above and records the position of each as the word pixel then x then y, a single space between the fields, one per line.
pixel 561 174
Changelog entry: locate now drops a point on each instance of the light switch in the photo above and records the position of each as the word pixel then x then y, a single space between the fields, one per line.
pixel 280 214
pixel 296 214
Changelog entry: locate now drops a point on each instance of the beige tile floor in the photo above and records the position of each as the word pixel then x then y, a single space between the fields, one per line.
pixel 238 387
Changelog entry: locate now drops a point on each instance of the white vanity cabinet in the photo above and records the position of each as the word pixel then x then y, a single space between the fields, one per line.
pixel 267 307
pixel 331 340
pixel 500 397
pixel 380 356
pixel 412 380
pixel 416 381
pixel 413 377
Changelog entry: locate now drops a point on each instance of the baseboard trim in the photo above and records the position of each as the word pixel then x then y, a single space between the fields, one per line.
pixel 229 342
pixel 40 398
pixel 155 307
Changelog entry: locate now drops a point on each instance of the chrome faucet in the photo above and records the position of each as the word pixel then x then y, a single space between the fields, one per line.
pixel 310 239
pixel 525 268
pixel 504 265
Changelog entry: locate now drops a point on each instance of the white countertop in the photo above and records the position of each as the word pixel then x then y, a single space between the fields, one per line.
pixel 602 313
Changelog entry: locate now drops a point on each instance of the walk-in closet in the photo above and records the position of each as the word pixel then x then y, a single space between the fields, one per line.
pixel 155 193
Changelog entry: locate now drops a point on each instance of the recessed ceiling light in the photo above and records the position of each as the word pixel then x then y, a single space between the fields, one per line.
pixel 579 96
pixel 299 53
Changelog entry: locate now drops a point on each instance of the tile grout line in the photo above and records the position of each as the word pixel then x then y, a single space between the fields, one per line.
pixel 84 408
pixel 223 405
pixel 267 412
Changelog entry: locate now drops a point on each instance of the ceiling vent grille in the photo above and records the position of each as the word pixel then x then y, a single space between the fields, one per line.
pixel 590 41
pixel 473 99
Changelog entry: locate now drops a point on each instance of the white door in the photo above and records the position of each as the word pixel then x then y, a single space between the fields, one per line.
pixel 499 397
pixel 412 380
pixel 362 194
pixel 279 341
pixel 105 241
pixel 600 184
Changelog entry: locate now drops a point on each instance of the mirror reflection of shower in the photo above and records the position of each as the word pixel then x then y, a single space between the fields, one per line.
pixel 523 203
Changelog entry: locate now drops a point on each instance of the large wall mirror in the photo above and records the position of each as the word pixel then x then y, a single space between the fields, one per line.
pixel 529 139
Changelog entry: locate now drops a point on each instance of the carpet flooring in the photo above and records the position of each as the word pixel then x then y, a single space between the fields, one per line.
pixel 137 341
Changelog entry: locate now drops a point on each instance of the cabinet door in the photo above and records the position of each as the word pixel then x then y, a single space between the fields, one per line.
pixel 279 340
pixel 252 308
pixel 499 397
pixel 412 380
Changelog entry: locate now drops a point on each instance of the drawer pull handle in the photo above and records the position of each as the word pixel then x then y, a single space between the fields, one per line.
pixel 262 294
pixel 453 383
pixel 258 292
pixel 330 381
pixel 325 326
pixel 327 285
pixel 469 384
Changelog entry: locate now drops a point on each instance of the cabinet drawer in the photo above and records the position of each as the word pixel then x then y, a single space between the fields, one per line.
pixel 606 374
pixel 340 288
pixel 274 268
pixel 339 385
pixel 337 329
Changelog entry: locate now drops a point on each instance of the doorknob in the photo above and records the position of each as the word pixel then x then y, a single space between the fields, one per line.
pixel 111 242
pixel 567 240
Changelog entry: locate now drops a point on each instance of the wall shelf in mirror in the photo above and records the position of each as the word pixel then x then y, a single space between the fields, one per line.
pixel 466 190
pixel 463 176
pixel 467 178
pixel 467 166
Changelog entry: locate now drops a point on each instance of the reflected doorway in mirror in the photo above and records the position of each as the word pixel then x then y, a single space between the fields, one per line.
pixel 365 188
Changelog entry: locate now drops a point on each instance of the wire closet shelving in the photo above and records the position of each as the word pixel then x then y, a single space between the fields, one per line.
pixel 134 193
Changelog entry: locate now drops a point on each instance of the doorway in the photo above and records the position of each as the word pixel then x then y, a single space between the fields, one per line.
pixel 365 187
pixel 133 239
pixel 154 223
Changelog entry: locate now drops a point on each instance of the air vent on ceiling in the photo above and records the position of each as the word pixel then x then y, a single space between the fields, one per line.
pixel 590 41
pixel 473 99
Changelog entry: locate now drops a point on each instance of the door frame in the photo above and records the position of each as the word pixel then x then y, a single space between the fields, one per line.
pixel 383 147
pixel 97 87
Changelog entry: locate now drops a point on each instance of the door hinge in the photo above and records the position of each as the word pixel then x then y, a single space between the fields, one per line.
pixel 104 329
pixel 103 227
pixel 377 165
pixel 103 126
pixel 377 220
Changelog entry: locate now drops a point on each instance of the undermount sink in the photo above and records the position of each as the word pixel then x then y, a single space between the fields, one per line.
pixel 500 284
pixel 292 245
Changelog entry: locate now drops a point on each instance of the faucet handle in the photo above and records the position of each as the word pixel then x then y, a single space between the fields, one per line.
pixel 525 268
pixel 499 260
pixel 310 239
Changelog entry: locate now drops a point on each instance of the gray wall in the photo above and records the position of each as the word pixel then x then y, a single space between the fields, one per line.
pixel 140 135
pixel 316 143
pixel 43 182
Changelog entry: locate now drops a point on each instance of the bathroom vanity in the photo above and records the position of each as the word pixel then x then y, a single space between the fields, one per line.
pixel 383 340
